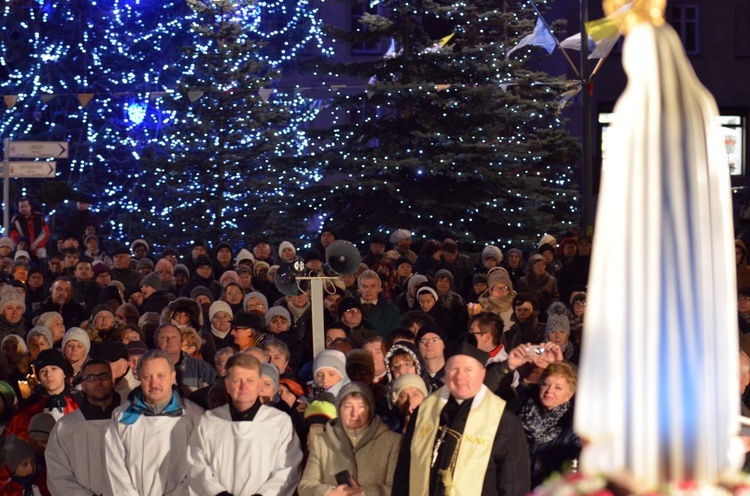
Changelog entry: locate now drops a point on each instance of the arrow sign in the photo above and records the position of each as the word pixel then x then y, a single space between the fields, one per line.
pixel 38 149
pixel 32 169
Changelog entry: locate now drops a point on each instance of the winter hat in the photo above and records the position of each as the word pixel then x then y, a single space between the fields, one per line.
pixel 492 251
pixel 313 255
pixel 243 255
pixel 227 277
pixel 245 319
pixel 140 242
pixel 121 250
pixel 277 311
pixel 557 319
pixel 22 348
pixel 402 346
pixel 348 304
pixel 6 241
pixel 289 381
pixel 41 330
pixel 201 290
pixel 330 359
pixel 444 273
pixel 415 280
pixel 203 260
pixel 286 244
pixel 10 296
pixel 77 334
pixel 7 396
pixel 407 381
pixel 465 348
pixel 170 250
pixel 546 247
pixel 99 267
pixel 219 306
pixel 532 260
pixel 118 285
pixel 260 265
pixel 53 357
pixel 427 289
pixel 148 318
pixel 399 235
pixel 101 307
pixel 21 254
pixel 181 268
pixel 498 276
pixel 152 280
pixel 254 294
pixel 359 388
pixel 16 451
pixel 41 425
pixel 577 296
pixel 136 348
pixel 144 261
pixel 433 328
pixel 548 239
pixel 112 351
pixel 515 250
pixel 319 412
pixel 403 260
pixel 271 371
pixel 110 293
pixel 360 358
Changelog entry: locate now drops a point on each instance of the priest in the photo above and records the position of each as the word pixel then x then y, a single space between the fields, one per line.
pixel 462 439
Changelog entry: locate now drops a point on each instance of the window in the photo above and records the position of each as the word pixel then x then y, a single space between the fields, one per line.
pixel 363 46
pixel 685 22
pixel 732 136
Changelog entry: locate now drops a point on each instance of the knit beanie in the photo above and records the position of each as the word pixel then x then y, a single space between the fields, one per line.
pixel 360 358
pixel 557 319
pixel 291 383
pixel 254 294
pixel 136 348
pixel 286 244
pixel 16 451
pixel 243 255
pixel 352 388
pixel 21 254
pixel 219 306
pixel 433 328
pixel 444 273
pixel 201 290
pixel 227 277
pixel 140 242
pixel 77 334
pixel 53 357
pixel 492 251
pixel 46 318
pixel 399 235
pixel 101 307
pixel 407 381
pixel 548 239
pixel 41 330
pixel 22 348
pixel 10 296
pixel 415 280
pixel 41 425
pixel 271 371
pixel 498 276
pixel 532 260
pixel 7 242
pixel 7 396
pixel 319 412
pixel 152 280
pixel 277 311
pixel 181 268
pixel 143 262
pixel 330 359
pixel 110 293
pixel 427 289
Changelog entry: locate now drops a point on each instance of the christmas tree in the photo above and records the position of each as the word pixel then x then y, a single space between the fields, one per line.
pixel 447 138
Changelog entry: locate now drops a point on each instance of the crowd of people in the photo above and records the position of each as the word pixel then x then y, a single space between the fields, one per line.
pixel 129 371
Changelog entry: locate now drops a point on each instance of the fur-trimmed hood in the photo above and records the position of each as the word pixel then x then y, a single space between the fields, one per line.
pixel 196 314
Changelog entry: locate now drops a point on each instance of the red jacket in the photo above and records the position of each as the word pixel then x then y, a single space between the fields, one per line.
pixel 9 487
pixel 19 423
pixel 34 228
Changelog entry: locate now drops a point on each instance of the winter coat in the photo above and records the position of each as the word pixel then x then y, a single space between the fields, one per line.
pixel 371 462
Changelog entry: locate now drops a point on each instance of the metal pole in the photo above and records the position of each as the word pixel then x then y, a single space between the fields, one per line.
pixel 318 326
pixel 6 188
pixel 586 142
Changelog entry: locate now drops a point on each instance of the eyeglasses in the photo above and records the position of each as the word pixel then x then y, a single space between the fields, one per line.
pixel 234 293
pixel 256 305
pixel 353 310
pixel 402 366
pixel 426 341
pixel 582 303
pixel 104 376
pixel 500 288
pixel 744 299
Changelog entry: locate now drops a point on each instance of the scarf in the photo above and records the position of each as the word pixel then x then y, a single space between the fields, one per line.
pixel 296 312
pixel 542 425
pixel 27 482
pixel 138 407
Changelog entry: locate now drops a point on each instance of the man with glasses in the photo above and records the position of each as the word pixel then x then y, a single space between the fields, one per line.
pixel 75 450
pixel 431 339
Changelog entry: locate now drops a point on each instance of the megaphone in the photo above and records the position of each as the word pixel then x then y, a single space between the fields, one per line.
pixel 342 258
pixel 286 277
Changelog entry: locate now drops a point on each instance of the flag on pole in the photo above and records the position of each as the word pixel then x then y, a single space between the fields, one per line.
pixel 603 34
pixel 541 36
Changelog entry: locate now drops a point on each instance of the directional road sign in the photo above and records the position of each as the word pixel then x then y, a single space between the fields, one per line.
pixel 22 168
pixel 38 149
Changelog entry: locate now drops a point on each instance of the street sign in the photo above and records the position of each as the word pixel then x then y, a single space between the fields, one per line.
pixel 22 168
pixel 38 149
